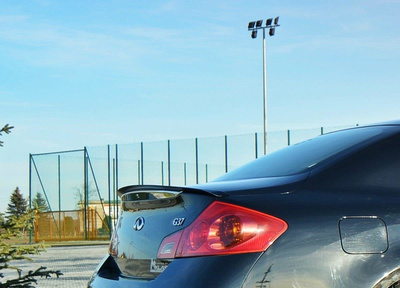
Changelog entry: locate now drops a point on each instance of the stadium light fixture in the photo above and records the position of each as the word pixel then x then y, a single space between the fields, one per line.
pixel 253 27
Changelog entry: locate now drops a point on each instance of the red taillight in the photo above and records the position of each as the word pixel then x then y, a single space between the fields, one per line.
pixel 223 229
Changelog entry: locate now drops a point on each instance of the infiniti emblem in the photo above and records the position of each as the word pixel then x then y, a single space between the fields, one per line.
pixel 139 223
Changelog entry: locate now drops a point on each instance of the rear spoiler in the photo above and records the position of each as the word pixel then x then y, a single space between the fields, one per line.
pixel 150 188
pixel 143 197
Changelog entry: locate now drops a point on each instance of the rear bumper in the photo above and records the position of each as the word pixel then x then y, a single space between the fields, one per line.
pixel 197 272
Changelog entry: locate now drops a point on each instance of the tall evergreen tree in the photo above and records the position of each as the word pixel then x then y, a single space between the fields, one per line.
pixel 39 203
pixel 18 205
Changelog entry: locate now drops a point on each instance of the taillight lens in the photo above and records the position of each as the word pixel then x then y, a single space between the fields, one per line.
pixel 223 229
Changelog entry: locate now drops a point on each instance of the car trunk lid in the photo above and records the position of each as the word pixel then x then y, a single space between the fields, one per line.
pixel 148 215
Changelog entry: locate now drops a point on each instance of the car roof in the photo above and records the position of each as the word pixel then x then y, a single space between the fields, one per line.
pixel 390 122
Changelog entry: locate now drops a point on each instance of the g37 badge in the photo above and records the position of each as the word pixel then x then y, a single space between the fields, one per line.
pixel 178 221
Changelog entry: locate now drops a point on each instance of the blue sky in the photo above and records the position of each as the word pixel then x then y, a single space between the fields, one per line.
pixel 88 73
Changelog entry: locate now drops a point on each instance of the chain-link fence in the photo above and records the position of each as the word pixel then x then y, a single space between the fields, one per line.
pixel 88 178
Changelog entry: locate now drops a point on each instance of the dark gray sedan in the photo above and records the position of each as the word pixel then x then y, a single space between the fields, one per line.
pixel 321 213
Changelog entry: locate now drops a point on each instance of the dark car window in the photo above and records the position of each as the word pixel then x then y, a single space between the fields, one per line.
pixel 305 155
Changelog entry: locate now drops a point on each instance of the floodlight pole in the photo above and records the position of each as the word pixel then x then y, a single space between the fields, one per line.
pixel 265 95
pixel 253 27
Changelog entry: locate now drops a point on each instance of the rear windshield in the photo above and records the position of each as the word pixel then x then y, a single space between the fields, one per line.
pixel 305 155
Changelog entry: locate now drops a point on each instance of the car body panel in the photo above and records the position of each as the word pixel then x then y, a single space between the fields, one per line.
pixel 311 255
pixel 342 214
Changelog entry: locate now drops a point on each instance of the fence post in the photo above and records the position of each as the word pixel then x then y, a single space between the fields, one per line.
pixel 256 145
pixel 109 219
pixel 85 192
pixel 116 167
pixel 184 173
pixel 169 163
pixel 59 194
pixel 30 197
pixel 288 137
pixel 30 180
pixel 141 162
pixel 162 173
pixel 116 175
pixel 197 159
pixel 36 227
pixel 138 172
pixel 64 227
pixel 115 193
pixel 226 153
